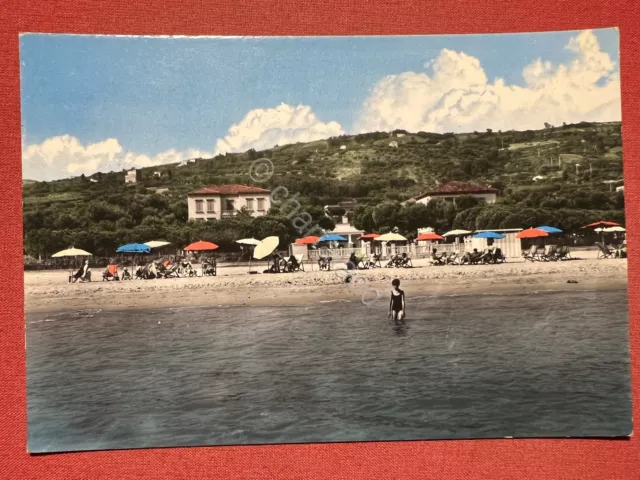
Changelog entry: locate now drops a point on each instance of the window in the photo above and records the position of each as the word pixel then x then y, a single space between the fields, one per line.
pixel 199 206
pixel 228 205
pixel 261 204
pixel 250 204
pixel 211 206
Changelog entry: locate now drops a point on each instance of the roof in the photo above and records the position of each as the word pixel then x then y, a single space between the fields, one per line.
pixel 456 188
pixel 232 189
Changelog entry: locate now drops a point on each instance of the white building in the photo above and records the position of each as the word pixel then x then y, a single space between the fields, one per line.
pixel 219 201
pixel 131 176
pixel 452 190
pixel 393 144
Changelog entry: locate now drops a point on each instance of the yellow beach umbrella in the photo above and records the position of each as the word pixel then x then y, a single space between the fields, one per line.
pixel 71 252
pixel 265 247
pixel 390 237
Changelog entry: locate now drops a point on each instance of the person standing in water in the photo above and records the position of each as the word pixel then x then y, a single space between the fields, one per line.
pixel 397 304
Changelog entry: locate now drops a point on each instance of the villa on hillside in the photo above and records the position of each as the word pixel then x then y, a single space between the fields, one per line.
pixel 219 201
pixel 343 227
pixel 131 176
pixel 452 190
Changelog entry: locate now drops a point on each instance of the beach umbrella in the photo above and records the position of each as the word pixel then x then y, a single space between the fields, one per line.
pixel 200 247
pixel 157 244
pixel 310 240
pixel 532 233
pixel 134 248
pixel 331 237
pixel 248 241
pixel 71 252
pixel 369 236
pixel 614 229
pixel 429 237
pixel 493 235
pixel 390 237
pixel 549 229
pixel 602 223
pixel 265 247
pixel 455 233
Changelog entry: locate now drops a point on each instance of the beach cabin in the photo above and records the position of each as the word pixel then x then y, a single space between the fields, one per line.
pixel 510 245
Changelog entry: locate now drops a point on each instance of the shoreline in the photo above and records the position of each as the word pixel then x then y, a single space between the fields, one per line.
pixel 47 292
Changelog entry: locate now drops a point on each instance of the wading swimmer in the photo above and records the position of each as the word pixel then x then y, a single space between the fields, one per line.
pixel 396 305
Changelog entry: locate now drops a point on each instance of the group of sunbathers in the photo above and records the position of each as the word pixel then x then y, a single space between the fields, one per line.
pixel 280 264
pixel 488 255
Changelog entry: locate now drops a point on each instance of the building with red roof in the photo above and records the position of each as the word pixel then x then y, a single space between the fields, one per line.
pixel 217 201
pixel 452 190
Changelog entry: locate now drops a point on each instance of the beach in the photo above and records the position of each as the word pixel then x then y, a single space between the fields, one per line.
pixel 49 290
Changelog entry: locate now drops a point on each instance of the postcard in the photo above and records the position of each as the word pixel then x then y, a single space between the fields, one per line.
pixel 261 240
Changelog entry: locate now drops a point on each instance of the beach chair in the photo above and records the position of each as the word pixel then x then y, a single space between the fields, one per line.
pixel 324 263
pixel 486 256
pixel 452 259
pixel 531 254
pixel 603 251
pixel 111 273
pixel 299 261
pixel 393 262
pixel 210 267
pixel 374 261
pixel 563 253
pixel 549 253
pixel 83 274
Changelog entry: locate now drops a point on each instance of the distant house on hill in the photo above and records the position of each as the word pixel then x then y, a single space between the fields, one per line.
pixel 131 176
pixel 219 201
pixel 393 144
pixel 452 190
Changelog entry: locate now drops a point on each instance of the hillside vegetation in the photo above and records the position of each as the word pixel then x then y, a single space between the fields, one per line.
pixel 100 212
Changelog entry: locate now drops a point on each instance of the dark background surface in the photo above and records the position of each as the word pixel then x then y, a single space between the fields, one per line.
pixel 430 459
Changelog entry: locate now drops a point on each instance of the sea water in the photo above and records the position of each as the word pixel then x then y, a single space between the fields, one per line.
pixel 468 366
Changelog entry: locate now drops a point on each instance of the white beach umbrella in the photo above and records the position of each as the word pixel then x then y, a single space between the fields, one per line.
pixel 390 237
pixel 71 252
pixel 157 244
pixel 248 241
pixel 613 229
pixel 456 233
pixel 265 247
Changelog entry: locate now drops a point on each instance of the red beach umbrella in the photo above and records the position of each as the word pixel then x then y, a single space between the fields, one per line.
pixel 532 233
pixel 368 236
pixel 310 240
pixel 200 246
pixel 429 237
pixel 602 223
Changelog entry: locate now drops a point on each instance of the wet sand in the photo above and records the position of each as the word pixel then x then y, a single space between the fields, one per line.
pixel 49 290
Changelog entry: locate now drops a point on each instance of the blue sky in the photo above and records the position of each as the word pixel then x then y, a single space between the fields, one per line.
pixel 155 94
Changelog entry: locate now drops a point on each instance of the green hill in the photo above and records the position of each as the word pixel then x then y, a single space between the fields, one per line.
pixel 101 212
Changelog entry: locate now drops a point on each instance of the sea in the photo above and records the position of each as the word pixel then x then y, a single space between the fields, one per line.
pixel 540 364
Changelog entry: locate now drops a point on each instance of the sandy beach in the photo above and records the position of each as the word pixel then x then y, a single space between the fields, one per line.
pixel 49 290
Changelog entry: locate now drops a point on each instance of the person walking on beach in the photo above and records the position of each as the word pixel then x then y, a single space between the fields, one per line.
pixel 397 304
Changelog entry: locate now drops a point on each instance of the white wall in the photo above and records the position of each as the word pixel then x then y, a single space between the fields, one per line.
pixel 239 201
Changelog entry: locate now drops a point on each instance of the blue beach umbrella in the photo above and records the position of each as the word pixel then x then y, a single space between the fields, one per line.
pixel 546 228
pixel 494 235
pixel 134 248
pixel 332 237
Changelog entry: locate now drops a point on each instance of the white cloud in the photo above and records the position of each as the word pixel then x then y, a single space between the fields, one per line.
pixel 457 96
pixel 65 156
pixel 284 124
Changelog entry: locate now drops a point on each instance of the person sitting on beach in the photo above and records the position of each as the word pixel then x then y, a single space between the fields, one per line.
pixel 352 264
pixel 82 272
pixel 475 256
pixel 435 258
pixel 397 309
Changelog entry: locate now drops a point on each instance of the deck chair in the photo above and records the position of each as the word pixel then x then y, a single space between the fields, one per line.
pixel 549 253
pixel 486 256
pixel 563 253
pixel 531 254
pixel 393 261
pixel 298 263
pixel 83 274
pixel 436 259
pixel 111 273
pixel 374 261
pixel 210 267
pixel 603 251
